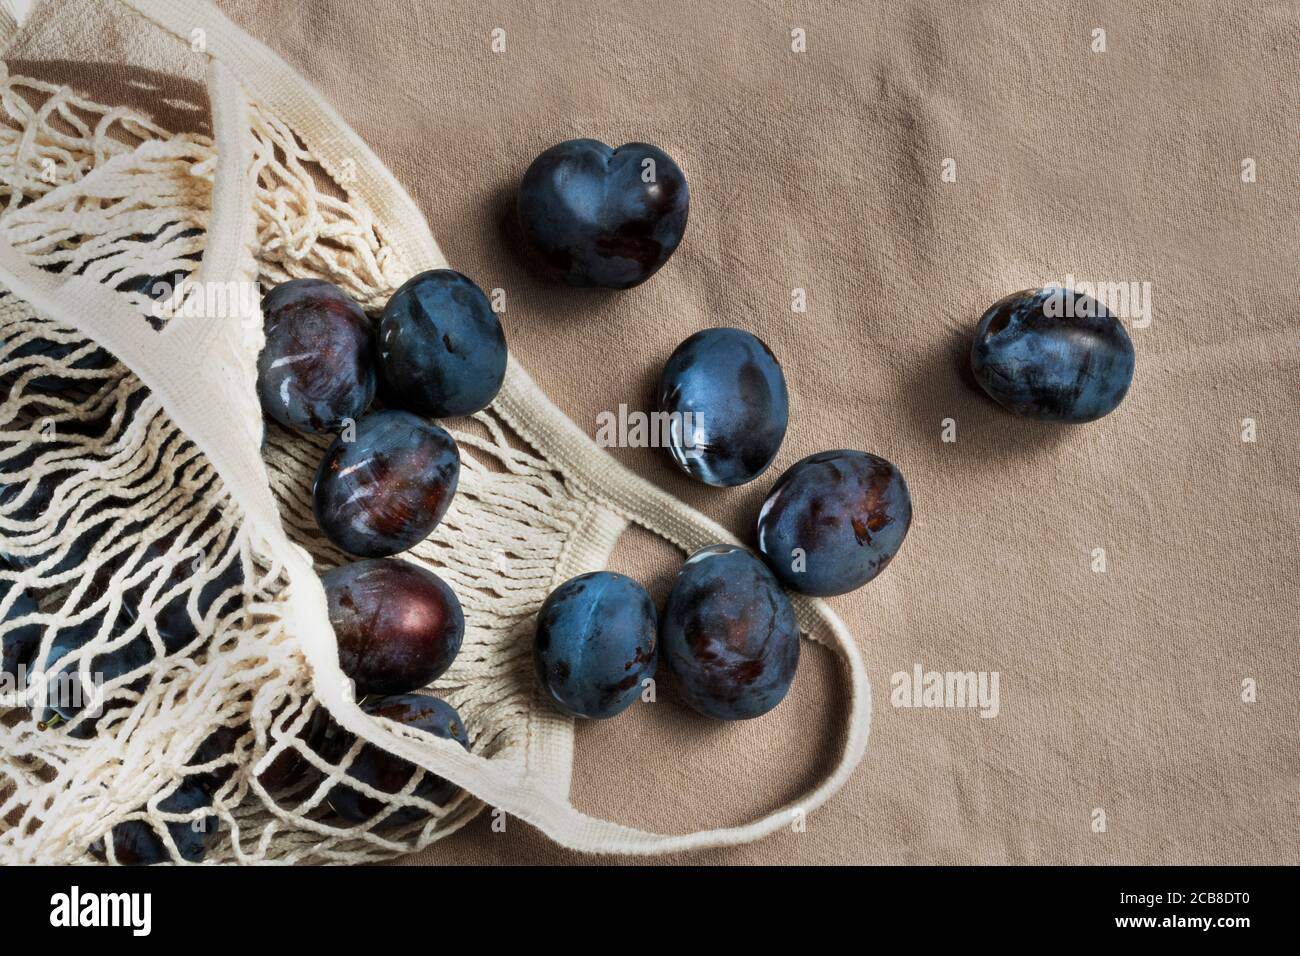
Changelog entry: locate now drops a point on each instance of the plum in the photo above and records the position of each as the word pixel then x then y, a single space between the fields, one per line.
pixel 726 397
pixel 92 358
pixel 67 695
pixel 388 773
pixel 441 348
pixel 221 749
pixel 317 369
pixel 596 216
pixel 289 765
pixel 729 634
pixel 1055 355
pixel 18 644
pixel 44 491
pixel 595 644
pixel 137 843
pixel 398 625
pixel 833 521
pixel 218 748
pixel 175 626
pixel 385 491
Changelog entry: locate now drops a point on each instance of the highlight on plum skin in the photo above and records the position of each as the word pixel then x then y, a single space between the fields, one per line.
pixel 317 370
pixel 398 625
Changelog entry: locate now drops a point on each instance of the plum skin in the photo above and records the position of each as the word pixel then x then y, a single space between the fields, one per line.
pixel 590 218
pixel 289 766
pixel 388 773
pixel 733 388
pixel 172 617
pixel 40 499
pixel 19 644
pixel 386 490
pixel 1040 363
pixel 317 369
pixel 442 351
pixel 399 626
pixel 95 359
pixel 843 514
pixel 595 643
pixel 137 843
pixel 67 695
pixel 729 634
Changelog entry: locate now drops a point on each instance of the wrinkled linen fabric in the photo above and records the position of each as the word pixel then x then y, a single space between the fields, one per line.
pixel 1120 691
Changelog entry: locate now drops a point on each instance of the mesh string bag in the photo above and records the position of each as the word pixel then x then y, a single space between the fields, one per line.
pixel 157 533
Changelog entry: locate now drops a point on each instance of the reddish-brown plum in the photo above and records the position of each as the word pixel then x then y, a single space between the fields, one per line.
pixel 318 367
pixel 387 488
pixel 398 625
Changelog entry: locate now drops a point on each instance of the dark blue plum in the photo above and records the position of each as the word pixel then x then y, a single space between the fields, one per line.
pixel 398 625
pixel 729 634
pixel 317 369
pixel 290 766
pixel 175 626
pixel 726 397
pixel 222 754
pixel 833 521
pixel 68 696
pixel 221 750
pixel 441 348
pixel 92 358
pixel 592 218
pixel 19 643
pixel 1054 355
pixel 595 644
pixel 37 496
pixel 387 490
pixel 137 843
pixel 387 773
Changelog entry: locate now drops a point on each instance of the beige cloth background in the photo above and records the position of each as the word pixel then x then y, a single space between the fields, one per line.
pixel 1119 691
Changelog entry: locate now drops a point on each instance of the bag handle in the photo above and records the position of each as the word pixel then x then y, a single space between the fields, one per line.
pixel 523 405
pixel 535 804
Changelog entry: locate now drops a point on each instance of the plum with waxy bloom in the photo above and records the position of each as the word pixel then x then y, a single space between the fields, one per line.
pixel 1055 355
pixel 834 521
pixel 441 347
pixel 729 634
pixel 595 644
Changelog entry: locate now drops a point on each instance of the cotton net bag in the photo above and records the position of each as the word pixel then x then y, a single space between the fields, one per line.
pixel 156 531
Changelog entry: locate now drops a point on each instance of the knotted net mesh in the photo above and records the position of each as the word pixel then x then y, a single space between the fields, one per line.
pixel 155 705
